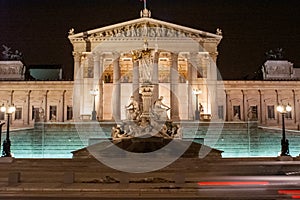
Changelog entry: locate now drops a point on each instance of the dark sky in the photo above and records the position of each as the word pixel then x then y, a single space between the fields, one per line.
pixel 39 28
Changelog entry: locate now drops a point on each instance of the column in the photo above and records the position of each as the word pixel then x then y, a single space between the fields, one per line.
pixel 155 76
pixel 117 89
pixel 244 117
pixel 212 85
pixel 295 107
pixel 12 97
pixel 77 58
pixel 96 58
pixel 100 96
pixel 96 76
pixel 135 79
pixel 27 108
pixel 277 103
pixel 174 76
pixel 190 92
pixel 62 107
pixel 45 107
pixel 228 106
pixel 262 108
pixel 77 85
pixel 192 80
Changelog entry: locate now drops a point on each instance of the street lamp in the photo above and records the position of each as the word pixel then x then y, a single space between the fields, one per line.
pixel 283 110
pixel 1 124
pixel 6 143
pixel 94 93
pixel 196 92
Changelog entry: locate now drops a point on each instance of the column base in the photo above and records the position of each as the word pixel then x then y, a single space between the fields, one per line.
pixel 175 119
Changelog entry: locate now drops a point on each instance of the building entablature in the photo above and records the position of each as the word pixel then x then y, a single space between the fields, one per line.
pixel 260 85
pixel 36 85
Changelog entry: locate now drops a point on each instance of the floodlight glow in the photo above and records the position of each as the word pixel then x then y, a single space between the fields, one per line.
pixel 11 109
pixel 288 108
pixel 3 108
pixel 280 108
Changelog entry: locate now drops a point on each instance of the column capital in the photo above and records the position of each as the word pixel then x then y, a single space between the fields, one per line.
pixel 77 56
pixel 261 92
pixel 96 57
pixel 174 55
pixel 156 55
pixel 296 92
pixel 227 92
pixel 244 92
pixel 45 92
pixel 115 55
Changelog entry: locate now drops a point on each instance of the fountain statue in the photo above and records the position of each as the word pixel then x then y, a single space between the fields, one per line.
pixel 146 118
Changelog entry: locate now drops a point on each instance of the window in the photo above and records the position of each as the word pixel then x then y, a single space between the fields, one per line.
pixel 237 112
pixel 288 115
pixel 35 112
pixel 221 112
pixel 2 115
pixel 253 113
pixel 271 112
pixel 52 113
pixel 18 113
pixel 69 112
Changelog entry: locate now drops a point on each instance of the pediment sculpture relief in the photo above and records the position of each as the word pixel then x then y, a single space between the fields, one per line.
pixel 144 30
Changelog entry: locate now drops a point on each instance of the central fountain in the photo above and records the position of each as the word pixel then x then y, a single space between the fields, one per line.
pixel 146 118
pixel 147 139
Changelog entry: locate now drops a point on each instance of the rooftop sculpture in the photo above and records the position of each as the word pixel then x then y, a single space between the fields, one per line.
pixel 7 54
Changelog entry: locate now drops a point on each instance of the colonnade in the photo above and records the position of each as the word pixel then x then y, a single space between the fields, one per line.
pixel 99 59
pixel 264 100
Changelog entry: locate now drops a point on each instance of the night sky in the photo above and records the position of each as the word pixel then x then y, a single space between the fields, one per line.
pixel 39 28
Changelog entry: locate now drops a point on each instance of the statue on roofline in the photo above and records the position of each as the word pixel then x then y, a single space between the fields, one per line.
pixel 10 55
pixel 276 54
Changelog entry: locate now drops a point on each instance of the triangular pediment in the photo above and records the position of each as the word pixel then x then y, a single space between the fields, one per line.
pixel 143 27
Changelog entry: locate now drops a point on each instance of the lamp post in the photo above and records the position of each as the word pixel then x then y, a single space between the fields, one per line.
pixel 1 124
pixel 6 143
pixel 196 92
pixel 283 110
pixel 94 93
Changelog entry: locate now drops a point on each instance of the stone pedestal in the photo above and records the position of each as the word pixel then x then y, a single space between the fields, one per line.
pixel 285 158
pixel 147 91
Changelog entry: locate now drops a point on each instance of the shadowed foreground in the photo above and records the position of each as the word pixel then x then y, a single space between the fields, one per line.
pixel 187 178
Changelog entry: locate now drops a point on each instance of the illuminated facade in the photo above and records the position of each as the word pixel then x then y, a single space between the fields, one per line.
pixel 182 60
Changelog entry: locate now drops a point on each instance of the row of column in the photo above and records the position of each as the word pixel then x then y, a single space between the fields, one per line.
pixel 98 83
pixel 136 85
pixel 262 100
pixel 28 103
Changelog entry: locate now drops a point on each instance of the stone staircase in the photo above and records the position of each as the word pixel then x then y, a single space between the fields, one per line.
pixel 58 140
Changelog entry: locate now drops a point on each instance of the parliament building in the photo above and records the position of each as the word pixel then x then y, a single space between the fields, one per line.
pixel 180 64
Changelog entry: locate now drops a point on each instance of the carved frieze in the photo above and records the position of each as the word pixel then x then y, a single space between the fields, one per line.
pixel 12 70
pixel 139 30
pixel 278 69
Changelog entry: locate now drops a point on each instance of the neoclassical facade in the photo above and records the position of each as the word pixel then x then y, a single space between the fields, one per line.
pixel 181 61
pixel 49 100
pixel 257 100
